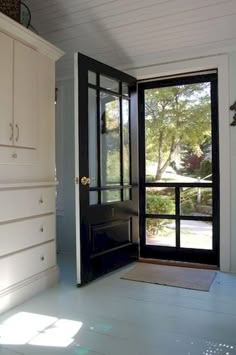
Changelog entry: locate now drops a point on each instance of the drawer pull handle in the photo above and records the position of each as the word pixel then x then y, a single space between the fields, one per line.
pixel 41 229
pixel 42 258
pixel 41 200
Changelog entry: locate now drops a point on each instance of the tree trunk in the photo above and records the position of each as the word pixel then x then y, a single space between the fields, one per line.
pixel 161 169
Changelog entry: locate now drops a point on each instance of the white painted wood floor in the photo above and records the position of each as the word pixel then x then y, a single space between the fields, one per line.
pixel 113 317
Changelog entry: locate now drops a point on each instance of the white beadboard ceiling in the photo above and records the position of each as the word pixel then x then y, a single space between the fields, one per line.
pixel 135 33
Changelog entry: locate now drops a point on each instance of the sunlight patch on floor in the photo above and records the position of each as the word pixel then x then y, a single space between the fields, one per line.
pixel 37 329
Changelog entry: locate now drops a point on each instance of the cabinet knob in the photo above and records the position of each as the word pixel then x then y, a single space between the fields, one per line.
pixel 41 229
pixel 41 200
pixel 42 258
pixel 14 155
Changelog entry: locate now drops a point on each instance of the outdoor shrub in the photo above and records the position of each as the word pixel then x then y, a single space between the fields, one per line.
pixel 187 206
pixel 206 195
pixel 157 203
pixel 205 168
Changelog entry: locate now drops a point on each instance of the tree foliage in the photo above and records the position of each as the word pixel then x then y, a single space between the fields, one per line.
pixel 176 116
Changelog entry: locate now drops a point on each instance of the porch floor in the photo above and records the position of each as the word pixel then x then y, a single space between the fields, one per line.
pixel 112 316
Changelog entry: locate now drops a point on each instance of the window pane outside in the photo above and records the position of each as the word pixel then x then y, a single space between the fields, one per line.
pixel 160 232
pixel 160 200
pixel 196 201
pixel 178 145
pixel 196 235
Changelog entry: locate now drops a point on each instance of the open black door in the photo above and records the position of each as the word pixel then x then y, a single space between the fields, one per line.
pixel 107 176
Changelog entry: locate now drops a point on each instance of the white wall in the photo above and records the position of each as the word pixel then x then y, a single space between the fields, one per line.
pixel 65 167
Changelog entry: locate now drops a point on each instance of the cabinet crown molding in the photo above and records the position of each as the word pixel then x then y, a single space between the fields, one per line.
pixel 22 34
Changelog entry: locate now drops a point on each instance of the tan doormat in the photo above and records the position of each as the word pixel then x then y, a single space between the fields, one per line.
pixel 194 279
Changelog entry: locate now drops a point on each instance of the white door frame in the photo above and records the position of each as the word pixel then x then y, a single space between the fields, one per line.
pixel 77 195
pixel 221 63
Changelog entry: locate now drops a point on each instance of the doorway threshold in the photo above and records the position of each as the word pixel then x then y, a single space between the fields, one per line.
pixel 178 263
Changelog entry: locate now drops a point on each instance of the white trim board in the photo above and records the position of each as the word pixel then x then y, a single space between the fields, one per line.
pixel 22 34
pixel 221 63
pixel 77 195
pixel 22 291
pixel 27 184
pixel 60 149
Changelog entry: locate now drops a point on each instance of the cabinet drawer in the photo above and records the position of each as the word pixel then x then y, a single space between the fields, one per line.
pixel 18 156
pixel 19 235
pixel 22 203
pixel 22 265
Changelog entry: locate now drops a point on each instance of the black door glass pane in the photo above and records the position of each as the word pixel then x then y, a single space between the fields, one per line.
pixel 92 78
pixel 110 196
pixel 109 84
pixel 93 197
pixel 92 127
pixel 126 142
pixel 125 89
pixel 110 140
pixel 126 194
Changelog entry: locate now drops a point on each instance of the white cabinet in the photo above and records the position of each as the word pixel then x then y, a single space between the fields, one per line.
pixel 25 95
pixel 6 90
pixel 18 93
pixel 27 164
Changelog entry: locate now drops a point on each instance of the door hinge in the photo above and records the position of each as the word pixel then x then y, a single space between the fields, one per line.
pixel 76 180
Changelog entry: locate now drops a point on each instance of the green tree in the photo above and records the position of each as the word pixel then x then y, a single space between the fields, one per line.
pixel 176 116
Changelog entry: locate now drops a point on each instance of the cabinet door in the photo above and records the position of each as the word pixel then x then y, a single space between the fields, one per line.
pixel 6 89
pixel 25 96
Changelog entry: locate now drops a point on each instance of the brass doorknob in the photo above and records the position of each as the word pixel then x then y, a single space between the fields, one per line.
pixel 85 180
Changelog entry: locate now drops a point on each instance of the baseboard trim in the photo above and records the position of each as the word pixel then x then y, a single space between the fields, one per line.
pixel 178 263
pixel 24 290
